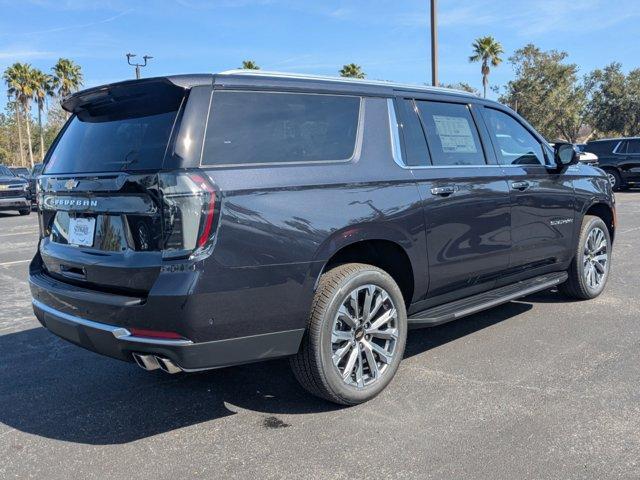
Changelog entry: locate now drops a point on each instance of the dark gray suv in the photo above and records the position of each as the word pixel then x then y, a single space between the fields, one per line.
pixel 199 221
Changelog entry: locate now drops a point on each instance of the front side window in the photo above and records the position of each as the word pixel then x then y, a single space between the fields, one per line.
pixel 451 134
pixel 514 144
pixel 270 127
pixel 5 172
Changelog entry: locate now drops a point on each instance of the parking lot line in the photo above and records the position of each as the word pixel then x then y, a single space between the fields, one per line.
pixel 15 262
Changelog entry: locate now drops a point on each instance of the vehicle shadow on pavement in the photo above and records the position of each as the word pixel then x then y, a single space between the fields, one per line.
pixel 57 390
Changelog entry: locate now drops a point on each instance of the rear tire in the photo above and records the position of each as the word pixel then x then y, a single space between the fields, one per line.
pixel 591 263
pixel 24 212
pixel 615 180
pixel 356 335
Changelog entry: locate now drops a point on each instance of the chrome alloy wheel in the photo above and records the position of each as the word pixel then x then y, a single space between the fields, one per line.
pixel 596 256
pixel 364 335
pixel 612 179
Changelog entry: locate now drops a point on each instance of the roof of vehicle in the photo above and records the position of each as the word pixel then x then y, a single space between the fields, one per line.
pixel 261 78
pixel 344 82
pixel 615 139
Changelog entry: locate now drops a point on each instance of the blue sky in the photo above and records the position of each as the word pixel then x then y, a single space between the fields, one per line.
pixel 388 38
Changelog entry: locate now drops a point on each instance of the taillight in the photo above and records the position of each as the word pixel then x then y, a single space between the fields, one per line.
pixel 189 206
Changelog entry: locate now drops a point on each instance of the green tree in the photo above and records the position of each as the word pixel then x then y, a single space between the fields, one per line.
pixel 21 85
pixel 546 91
pixel 12 79
pixel 67 77
pixel 352 70
pixel 486 50
pixel 614 101
pixel 465 87
pixel 43 88
pixel 249 65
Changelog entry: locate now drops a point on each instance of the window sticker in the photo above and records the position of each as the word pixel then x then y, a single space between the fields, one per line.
pixel 455 134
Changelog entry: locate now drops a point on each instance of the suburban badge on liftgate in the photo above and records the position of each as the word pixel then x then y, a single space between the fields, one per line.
pixel 69 203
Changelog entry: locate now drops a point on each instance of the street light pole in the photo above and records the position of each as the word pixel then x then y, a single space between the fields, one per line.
pixel 434 43
pixel 138 65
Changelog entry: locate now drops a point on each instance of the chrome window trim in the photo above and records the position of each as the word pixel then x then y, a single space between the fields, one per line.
pixel 356 149
pixel 119 333
pixel 615 150
pixel 394 134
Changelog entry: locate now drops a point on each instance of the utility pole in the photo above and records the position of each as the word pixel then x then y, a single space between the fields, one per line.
pixel 138 65
pixel 434 43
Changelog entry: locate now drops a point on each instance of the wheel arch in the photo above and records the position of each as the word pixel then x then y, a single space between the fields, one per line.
pixel 607 213
pixel 388 255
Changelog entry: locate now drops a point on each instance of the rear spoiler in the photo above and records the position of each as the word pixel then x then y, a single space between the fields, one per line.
pixel 145 90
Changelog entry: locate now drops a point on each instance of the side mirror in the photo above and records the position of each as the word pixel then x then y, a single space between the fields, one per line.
pixel 565 154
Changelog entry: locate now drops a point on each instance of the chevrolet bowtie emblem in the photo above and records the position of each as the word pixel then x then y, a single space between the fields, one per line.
pixel 70 184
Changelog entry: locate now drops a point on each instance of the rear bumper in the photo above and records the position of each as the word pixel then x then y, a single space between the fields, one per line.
pixel 14 203
pixel 117 342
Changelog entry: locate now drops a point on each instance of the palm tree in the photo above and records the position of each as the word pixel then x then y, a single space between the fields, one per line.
pixel 43 88
pixel 67 77
pixel 11 78
pixel 249 65
pixel 352 71
pixel 486 50
pixel 20 81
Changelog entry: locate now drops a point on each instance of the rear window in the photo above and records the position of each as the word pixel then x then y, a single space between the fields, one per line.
pixel 125 127
pixel 269 127
pixel 134 143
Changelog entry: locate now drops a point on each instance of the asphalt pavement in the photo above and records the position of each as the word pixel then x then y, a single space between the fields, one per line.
pixel 538 388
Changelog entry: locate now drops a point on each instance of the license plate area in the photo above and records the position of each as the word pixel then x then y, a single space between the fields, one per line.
pixel 99 232
pixel 82 231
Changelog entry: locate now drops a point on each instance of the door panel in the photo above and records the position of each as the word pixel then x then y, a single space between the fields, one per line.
pixel 468 231
pixel 465 200
pixel 542 216
pixel 542 200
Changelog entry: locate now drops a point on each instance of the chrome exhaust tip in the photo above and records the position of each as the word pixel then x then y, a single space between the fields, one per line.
pixel 167 365
pixel 146 362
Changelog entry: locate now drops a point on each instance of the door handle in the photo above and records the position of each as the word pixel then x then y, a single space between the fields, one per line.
pixel 522 186
pixel 444 191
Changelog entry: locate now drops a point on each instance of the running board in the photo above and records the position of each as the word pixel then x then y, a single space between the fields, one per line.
pixel 470 305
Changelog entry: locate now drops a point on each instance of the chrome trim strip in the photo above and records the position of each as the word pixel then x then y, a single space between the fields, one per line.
pixel 356 81
pixel 119 333
pixel 394 134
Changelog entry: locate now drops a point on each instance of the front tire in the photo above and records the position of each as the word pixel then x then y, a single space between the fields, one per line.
pixel 355 337
pixel 24 212
pixel 590 266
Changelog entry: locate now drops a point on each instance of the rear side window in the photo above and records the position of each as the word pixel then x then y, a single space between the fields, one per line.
pixel 513 143
pixel 633 147
pixel 416 153
pixel 270 127
pixel 451 134
pixel 5 172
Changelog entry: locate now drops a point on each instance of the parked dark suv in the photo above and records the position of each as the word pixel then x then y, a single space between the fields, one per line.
pixel 619 158
pixel 200 221
pixel 14 192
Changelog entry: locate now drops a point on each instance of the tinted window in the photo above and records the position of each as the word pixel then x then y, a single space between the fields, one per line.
pixel 267 127
pixel 633 147
pixel 601 148
pixel 415 144
pixel 451 134
pixel 514 144
pixel 5 172
pixel 134 143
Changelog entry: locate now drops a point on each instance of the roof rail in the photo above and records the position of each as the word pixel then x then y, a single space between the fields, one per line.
pixel 326 78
